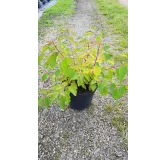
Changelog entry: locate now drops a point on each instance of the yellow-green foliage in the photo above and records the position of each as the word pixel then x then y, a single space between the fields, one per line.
pixel 73 62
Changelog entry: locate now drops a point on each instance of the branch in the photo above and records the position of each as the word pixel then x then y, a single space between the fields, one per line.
pixel 113 67
pixel 97 54
pixel 93 41
pixel 58 51
pixel 88 53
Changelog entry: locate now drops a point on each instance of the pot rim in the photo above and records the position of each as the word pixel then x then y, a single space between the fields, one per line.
pixel 86 92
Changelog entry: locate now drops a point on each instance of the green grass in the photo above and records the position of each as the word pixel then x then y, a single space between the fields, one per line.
pixel 91 109
pixel 116 15
pixel 66 135
pixel 119 121
pixel 62 7
pixel 108 108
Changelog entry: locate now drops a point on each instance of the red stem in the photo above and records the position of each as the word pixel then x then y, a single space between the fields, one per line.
pixel 97 54
pixel 58 51
pixel 88 53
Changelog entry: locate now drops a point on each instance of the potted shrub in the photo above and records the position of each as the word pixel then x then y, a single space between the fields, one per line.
pixel 75 67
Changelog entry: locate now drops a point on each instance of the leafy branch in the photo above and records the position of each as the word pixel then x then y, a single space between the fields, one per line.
pixel 85 68
pixel 98 52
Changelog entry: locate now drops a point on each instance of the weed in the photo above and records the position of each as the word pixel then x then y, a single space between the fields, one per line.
pixel 66 135
pixel 119 121
pixel 57 154
pixel 108 108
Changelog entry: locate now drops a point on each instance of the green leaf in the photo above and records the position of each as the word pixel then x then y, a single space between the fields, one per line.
pixel 40 102
pixel 97 64
pixel 70 73
pixel 65 63
pixel 121 72
pixel 74 77
pixel 117 92
pixel 107 56
pixel 110 73
pixel 46 64
pixel 111 61
pixel 66 69
pixel 61 102
pixel 42 91
pixel 67 97
pixel 51 47
pixel 85 81
pixel 87 77
pixel 45 76
pixel 47 102
pixel 53 97
pixel 80 82
pixel 58 87
pixel 62 93
pixel 67 49
pixel 92 82
pixel 73 88
pixel 104 92
pixel 98 38
pixel 71 39
pixel 114 91
pixel 92 87
pixel 40 58
pixel 65 83
pixel 51 60
pixel 89 33
pixel 122 90
pixel 106 48
pixel 103 88
pixel 57 73
pixel 52 77
pixel 102 74
pixel 97 70
pixel 44 49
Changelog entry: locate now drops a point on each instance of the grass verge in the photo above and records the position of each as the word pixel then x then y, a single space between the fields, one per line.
pixel 119 121
pixel 116 15
pixel 62 7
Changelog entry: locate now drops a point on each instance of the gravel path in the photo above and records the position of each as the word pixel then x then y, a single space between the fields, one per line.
pixel 124 2
pixel 85 135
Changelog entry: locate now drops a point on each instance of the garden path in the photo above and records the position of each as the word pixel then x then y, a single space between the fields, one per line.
pixel 85 135
pixel 124 2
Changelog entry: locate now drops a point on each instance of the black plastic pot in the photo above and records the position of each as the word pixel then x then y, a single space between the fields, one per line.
pixel 82 100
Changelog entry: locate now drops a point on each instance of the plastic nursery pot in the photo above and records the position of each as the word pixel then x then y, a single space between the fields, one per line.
pixel 82 100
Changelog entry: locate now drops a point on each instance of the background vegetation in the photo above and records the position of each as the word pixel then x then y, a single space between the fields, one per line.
pixel 62 7
pixel 116 15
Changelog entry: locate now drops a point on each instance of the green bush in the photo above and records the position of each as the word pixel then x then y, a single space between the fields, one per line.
pixel 86 62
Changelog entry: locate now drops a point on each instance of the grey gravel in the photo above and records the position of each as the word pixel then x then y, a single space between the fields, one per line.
pixel 85 135
pixel 124 2
pixel 79 135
